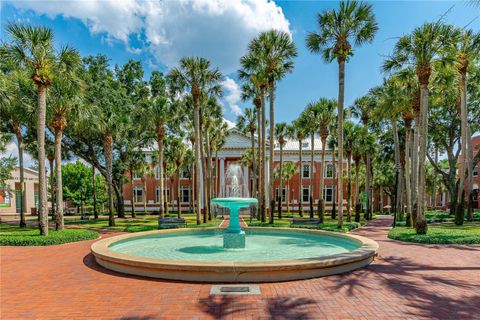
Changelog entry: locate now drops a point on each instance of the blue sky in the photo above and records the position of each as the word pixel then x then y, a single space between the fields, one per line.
pixel 159 34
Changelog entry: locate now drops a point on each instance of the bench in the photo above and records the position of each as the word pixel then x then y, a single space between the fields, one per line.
pixel 171 222
pixel 304 222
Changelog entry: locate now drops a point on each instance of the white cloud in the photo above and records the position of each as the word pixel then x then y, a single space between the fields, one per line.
pixel 230 124
pixel 12 151
pixel 219 30
pixel 233 95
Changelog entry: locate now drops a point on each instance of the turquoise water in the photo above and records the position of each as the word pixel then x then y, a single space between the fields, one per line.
pixel 208 246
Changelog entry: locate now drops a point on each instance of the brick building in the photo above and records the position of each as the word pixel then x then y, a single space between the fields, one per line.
pixel 234 148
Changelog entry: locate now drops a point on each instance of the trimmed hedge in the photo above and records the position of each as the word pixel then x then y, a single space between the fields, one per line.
pixel 438 235
pixel 14 236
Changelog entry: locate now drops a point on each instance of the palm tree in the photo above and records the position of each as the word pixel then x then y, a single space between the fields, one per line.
pixel 273 50
pixel 288 171
pixel 15 112
pixel 195 75
pixel 156 114
pixel 419 49
pixel 349 134
pixel 466 48
pixel 281 133
pixel 352 22
pixel 363 109
pixel 357 157
pixel 247 123
pixel 325 117
pixel 299 134
pixel 311 115
pixel 32 48
pixel 65 105
pixel 332 144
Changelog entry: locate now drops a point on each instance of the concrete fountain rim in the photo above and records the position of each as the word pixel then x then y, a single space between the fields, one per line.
pixel 213 271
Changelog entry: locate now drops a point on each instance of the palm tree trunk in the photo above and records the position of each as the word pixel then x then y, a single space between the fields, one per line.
pixel 216 173
pixel 341 89
pixel 462 164
pixel 414 170
pixel 107 151
pixel 470 175
pixel 398 165
pixel 334 202
pixel 18 134
pixel 132 197
pixel 421 225
pixel 42 178
pixel 144 182
pixel 59 225
pixel 434 196
pixel 368 179
pixel 300 175
pixel 254 172
pixel 407 175
pixel 196 121
pixel 357 191
pixel 381 199
pixel 321 197
pixel 349 186
pixel 178 195
pixel 51 181
pixel 160 143
pixel 209 172
pixel 312 164
pixel 264 153
pixel 281 184
pixel 94 193
pixel 206 212
pixel 271 149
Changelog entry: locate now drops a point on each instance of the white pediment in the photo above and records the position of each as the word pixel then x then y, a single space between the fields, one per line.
pixel 237 140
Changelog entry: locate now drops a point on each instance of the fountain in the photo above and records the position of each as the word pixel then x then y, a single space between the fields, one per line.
pixel 237 190
pixel 234 255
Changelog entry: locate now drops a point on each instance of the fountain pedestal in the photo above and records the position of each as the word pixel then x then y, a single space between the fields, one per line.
pixel 234 236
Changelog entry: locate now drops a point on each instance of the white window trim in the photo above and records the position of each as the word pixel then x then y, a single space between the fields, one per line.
pixel 157 193
pixel 325 171
pixel 306 187
pixel 135 197
pixel 309 170
pixel 183 188
pixel 284 198
pixel 325 193
pixel 157 172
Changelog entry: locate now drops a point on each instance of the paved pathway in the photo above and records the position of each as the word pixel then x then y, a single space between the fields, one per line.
pixel 407 281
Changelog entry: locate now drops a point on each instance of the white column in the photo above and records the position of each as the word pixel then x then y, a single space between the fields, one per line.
pixel 246 183
pixel 222 177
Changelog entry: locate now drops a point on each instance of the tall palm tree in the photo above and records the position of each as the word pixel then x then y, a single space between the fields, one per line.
pixel 352 22
pixel 281 132
pixel 15 111
pixel 357 157
pixel 274 51
pixel 419 49
pixel 247 123
pixel 65 105
pixel 466 46
pixel 32 48
pixel 288 171
pixel 194 75
pixel 350 138
pixel 363 109
pixel 311 115
pixel 299 134
pixel 332 144
pixel 326 117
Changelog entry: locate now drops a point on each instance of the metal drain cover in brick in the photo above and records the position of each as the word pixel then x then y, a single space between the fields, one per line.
pixel 235 289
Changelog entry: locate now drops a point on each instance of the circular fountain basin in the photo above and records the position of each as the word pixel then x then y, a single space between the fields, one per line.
pixel 278 254
pixel 237 202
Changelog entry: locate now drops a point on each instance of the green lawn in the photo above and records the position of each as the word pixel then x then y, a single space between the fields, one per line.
pixel 329 224
pixel 144 223
pixel 13 235
pixel 442 234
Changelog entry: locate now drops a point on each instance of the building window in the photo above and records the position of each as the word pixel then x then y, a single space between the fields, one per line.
pixel 305 145
pixel 185 173
pixel 157 194
pixel 185 194
pixel 157 172
pixel 284 194
pixel 137 195
pixel 328 194
pixel 305 171
pixel 328 171
pixel 475 171
pixel 305 193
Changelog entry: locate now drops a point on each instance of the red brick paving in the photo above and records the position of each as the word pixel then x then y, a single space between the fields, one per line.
pixel 407 281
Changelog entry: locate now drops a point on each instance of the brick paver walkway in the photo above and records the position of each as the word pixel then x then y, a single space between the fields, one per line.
pixel 406 281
